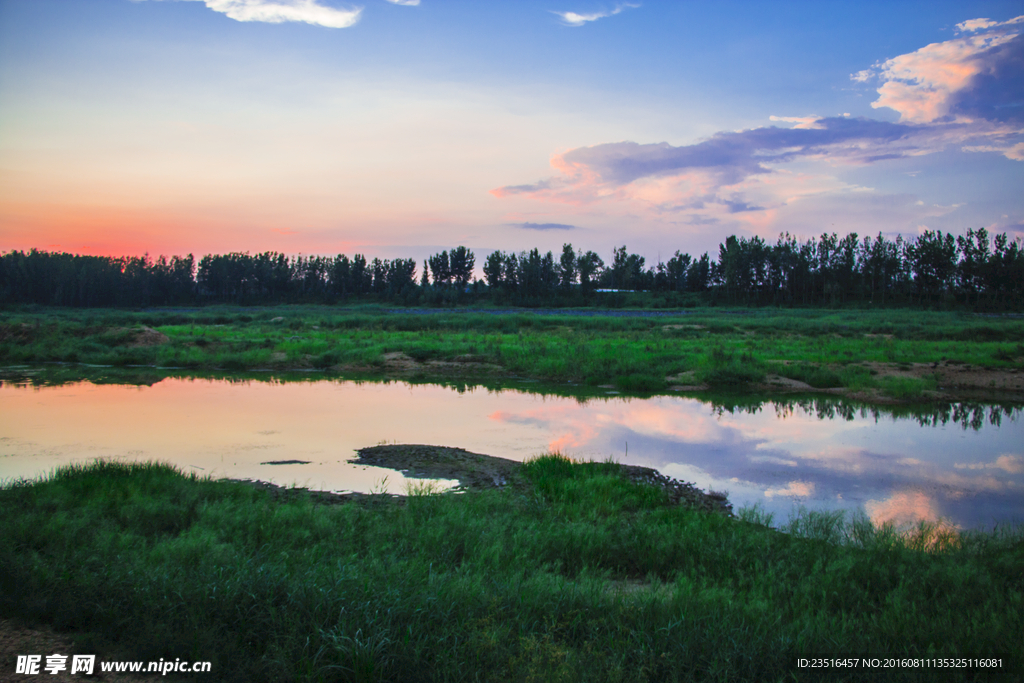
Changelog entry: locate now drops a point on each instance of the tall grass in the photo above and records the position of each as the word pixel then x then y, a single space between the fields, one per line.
pixel 579 576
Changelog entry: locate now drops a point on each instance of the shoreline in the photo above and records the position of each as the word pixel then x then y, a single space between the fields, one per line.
pixel 962 383
pixel 869 356
pixel 477 472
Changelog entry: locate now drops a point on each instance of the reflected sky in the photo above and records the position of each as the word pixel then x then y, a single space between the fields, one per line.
pixel 961 464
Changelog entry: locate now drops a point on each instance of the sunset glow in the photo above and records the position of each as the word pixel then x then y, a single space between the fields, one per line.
pixel 396 128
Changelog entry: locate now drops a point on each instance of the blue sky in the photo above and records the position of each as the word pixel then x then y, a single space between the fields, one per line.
pixel 174 126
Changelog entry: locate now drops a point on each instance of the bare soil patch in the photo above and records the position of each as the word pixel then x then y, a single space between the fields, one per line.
pixel 473 470
pixel 16 332
pixel 953 381
pixel 953 376
pixel 401 364
pixel 685 381
pixel 788 384
pixel 17 639
pixel 147 336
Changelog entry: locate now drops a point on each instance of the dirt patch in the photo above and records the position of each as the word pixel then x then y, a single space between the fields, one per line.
pixel 685 381
pixel 956 376
pixel 953 381
pixel 399 364
pixel 16 332
pixel 17 639
pixel 147 336
pixel 473 470
pixel 787 384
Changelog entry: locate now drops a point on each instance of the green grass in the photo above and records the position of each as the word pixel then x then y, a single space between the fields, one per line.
pixel 583 576
pixel 721 367
pixel 723 349
pixel 906 388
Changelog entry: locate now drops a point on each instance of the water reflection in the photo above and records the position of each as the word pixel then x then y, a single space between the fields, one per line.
pixel 966 414
pixel 962 462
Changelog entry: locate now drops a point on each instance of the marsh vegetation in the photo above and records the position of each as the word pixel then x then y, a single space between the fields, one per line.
pixel 875 355
pixel 581 575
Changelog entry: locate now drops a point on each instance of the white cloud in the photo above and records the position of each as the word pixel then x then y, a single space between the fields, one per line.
pixel 975 24
pixel 407 3
pixel 280 11
pixel 576 19
pixel 1013 464
pixel 1015 152
pixel 972 25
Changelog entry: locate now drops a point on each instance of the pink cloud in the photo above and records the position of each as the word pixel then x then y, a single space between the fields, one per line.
pixel 962 93
pixel 902 509
pixel 795 489
pixel 800 121
pixel 923 85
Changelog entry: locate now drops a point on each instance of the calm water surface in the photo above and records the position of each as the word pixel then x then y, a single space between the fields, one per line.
pixel 962 464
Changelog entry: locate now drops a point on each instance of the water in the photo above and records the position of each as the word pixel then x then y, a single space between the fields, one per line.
pixel 960 463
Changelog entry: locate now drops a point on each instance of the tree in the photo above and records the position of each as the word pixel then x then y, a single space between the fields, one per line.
pixel 974 261
pixel 460 266
pixel 698 277
pixel 675 271
pixel 589 266
pixel 440 269
pixel 932 259
pixel 494 269
pixel 567 270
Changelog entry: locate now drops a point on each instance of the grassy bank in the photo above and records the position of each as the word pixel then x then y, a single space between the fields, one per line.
pixel 880 353
pixel 583 576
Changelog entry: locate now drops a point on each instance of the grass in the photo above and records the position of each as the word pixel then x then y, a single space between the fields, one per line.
pixel 582 576
pixel 722 349
pixel 906 388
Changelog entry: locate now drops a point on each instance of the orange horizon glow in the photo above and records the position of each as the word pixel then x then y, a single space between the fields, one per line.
pixel 122 232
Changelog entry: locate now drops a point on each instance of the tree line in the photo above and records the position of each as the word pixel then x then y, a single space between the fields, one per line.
pixel 933 269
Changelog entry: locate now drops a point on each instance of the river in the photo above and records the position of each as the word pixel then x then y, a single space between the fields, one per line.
pixel 959 463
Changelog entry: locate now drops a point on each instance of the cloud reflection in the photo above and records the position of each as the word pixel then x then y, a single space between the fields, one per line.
pixel 902 509
pixel 1013 464
pixel 819 455
pixel 797 489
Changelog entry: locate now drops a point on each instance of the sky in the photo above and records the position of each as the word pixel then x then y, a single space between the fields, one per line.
pixel 397 128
